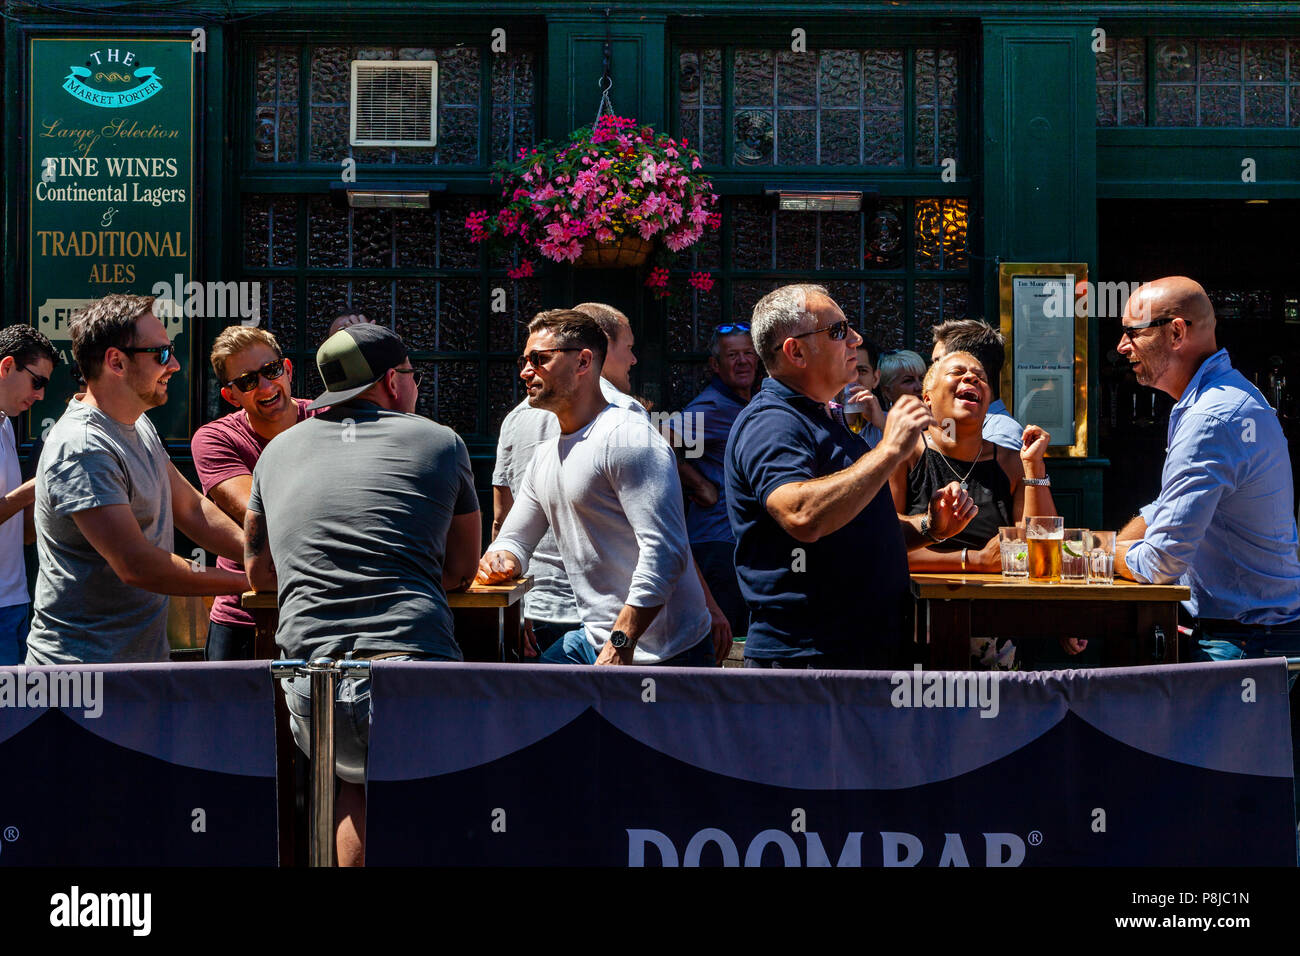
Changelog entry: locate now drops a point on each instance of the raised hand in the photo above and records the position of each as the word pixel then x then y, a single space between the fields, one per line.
pixel 1033 444
pixel 903 425
pixel 950 509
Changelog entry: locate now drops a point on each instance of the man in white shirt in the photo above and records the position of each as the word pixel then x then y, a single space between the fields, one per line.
pixel 27 360
pixel 608 487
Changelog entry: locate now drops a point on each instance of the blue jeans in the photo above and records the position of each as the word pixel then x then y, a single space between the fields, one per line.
pixel 13 634
pixel 1234 644
pixel 574 648
pixel 226 642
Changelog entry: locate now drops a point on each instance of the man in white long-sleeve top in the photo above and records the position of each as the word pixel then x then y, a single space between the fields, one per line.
pixel 607 486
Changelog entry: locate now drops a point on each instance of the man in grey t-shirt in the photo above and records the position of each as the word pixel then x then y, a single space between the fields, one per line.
pixel 107 497
pixel 362 518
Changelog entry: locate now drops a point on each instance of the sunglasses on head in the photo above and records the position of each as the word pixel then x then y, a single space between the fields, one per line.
pixel 164 352
pixel 836 330
pixel 248 381
pixel 539 358
pixel 732 328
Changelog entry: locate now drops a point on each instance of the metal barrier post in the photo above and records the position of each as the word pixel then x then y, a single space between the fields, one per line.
pixel 324 681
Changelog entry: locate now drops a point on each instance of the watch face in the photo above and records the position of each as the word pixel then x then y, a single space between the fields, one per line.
pixel 618 639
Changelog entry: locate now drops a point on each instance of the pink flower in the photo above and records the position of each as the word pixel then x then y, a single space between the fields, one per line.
pixel 523 271
pixel 701 281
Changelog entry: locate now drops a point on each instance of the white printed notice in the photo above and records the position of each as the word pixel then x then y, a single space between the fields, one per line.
pixel 1043 337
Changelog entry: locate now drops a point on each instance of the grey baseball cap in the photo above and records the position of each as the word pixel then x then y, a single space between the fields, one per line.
pixel 353 359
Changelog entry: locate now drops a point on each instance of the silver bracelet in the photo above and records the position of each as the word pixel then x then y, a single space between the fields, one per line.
pixel 1038 482
pixel 963 559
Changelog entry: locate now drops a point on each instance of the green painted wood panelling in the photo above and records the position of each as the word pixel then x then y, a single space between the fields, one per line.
pixel 1154 163
pixel 1040 189
pixel 576 50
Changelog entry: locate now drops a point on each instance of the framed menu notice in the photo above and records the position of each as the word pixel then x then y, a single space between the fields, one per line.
pixel 1044 317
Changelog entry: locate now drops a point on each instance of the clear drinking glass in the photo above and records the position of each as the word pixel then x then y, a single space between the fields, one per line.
pixel 1044 537
pixel 1101 557
pixel 855 416
pixel 1074 555
pixel 1015 553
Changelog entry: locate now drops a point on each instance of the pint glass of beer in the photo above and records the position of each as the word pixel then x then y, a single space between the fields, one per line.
pixel 1045 536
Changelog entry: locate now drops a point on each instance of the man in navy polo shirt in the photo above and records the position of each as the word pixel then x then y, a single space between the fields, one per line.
pixel 820 551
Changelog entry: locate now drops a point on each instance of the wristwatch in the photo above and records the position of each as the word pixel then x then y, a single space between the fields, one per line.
pixel 925 528
pixel 1038 482
pixel 620 640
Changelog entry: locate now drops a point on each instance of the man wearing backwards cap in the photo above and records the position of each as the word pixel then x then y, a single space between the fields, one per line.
pixel 364 517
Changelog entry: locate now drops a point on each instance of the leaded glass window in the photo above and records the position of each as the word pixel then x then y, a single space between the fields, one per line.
pixel 831 107
pixel 1208 81
pixel 410 270
pixel 898 258
pixel 1122 82
pixel 475 88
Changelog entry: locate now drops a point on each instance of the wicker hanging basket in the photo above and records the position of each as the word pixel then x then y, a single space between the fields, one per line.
pixel 626 251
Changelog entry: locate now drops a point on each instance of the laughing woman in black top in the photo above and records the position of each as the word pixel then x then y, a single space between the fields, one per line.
pixel 957 391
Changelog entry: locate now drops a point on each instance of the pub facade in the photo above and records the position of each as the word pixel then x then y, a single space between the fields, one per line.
pixel 933 143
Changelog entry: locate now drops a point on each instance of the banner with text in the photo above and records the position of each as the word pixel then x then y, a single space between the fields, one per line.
pixel 503 765
pixel 138 764
pixel 110 193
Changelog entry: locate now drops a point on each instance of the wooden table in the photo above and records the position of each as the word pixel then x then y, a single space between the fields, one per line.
pixel 1139 622
pixel 505 598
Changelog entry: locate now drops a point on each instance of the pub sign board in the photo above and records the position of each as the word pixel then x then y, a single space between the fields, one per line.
pixel 110 193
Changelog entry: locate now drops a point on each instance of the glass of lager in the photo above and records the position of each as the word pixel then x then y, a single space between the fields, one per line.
pixel 1045 537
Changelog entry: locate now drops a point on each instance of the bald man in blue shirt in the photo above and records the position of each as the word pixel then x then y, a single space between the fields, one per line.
pixel 1224 523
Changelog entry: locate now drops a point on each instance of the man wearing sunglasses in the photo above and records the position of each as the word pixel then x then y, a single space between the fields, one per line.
pixel 108 497
pixel 27 361
pixel 820 551
pixel 607 486
pixel 255 378
pixel 1224 522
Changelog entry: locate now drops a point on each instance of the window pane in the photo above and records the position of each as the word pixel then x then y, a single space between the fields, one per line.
pixel 882 313
pixel 796 240
pixel 751 234
pixel 935 302
pixel 275 137
pixel 940 234
pixel 834 107
pixel 884 240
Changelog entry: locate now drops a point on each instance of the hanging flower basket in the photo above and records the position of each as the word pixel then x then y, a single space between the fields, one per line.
pixel 611 197
pixel 624 251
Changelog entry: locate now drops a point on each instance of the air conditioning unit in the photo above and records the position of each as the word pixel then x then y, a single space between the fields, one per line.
pixel 394 103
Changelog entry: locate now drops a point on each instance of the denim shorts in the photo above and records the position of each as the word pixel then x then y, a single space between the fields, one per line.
pixel 351 720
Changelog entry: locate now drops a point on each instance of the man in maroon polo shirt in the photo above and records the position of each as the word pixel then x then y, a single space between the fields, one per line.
pixel 255 378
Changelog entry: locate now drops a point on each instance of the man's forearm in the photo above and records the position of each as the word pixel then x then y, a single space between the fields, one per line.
pixel 161 572
pixel 1135 530
pixel 213 529
pixel 695 484
pixel 635 621
pixel 18 499
pixel 821 506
